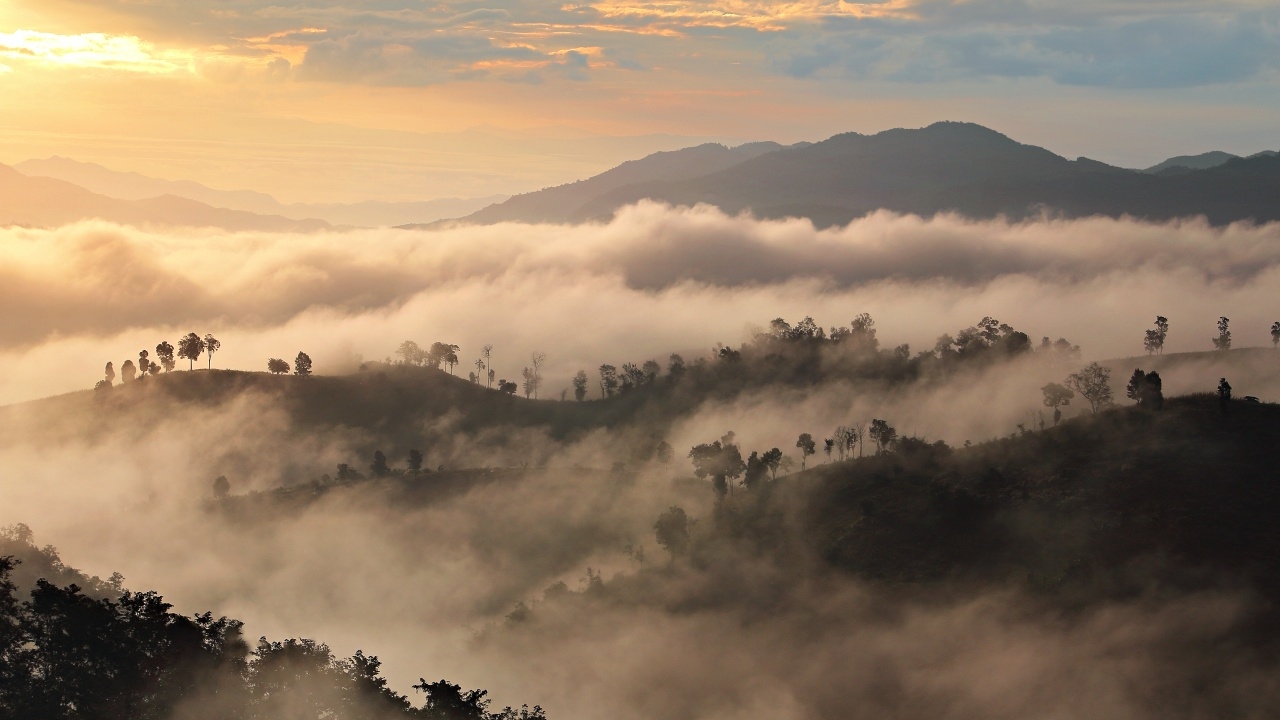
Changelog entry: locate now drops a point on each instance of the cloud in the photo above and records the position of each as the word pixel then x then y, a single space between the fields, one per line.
pixel 653 281
pixel 90 50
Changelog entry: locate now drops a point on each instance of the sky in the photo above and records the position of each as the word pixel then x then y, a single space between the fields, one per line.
pixel 328 100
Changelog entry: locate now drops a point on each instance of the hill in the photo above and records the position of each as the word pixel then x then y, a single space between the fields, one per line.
pixel 135 186
pixel 564 203
pixel 946 167
pixel 46 202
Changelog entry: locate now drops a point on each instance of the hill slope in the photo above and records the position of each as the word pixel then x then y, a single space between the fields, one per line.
pixel 947 166
pixel 46 202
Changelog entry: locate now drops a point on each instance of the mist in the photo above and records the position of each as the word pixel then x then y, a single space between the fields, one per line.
pixel 433 587
pixel 654 280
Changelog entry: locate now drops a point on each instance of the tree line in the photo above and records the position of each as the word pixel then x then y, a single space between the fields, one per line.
pixel 68 654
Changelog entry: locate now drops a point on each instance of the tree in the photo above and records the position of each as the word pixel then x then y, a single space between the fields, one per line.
pixel 1154 341
pixel 1057 396
pixel 1093 383
pixel 379 466
pixel 302 364
pixel 442 353
pixel 651 370
pixel 144 363
pixel 164 353
pixel 772 459
pixel 675 364
pixel 276 366
pixel 722 460
pixel 672 531
pixel 529 382
pixel 1146 389
pixel 411 353
pixel 1223 341
pixel 755 472
pixel 508 387
pixel 536 361
pixel 665 452
pixel 608 380
pixel 415 461
pixel 127 372
pixel 883 435
pixel 109 373
pixel 1275 334
pixel 446 701
pixel 189 349
pixel 827 446
pixel 1224 395
pixel 211 345
pixel 221 487
pixel 487 352
pixel 580 386
pixel 479 370
pixel 807 447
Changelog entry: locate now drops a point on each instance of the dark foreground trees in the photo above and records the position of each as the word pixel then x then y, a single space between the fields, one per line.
pixel 67 655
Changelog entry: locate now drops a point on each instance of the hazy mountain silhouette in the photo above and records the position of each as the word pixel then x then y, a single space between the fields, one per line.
pixel 46 202
pixel 562 203
pixel 947 166
pixel 1203 161
pixel 134 186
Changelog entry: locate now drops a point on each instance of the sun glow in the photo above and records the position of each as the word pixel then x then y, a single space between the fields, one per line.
pixel 90 50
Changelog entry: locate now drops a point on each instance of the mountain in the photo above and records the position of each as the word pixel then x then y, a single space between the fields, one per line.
pixel 1203 161
pixel 948 166
pixel 134 186
pixel 46 202
pixel 560 203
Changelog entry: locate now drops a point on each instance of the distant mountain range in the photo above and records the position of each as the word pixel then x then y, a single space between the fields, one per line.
pixel 134 186
pixel 948 166
pixel 47 202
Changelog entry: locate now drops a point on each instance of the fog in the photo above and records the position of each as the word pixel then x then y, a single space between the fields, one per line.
pixel 427 586
pixel 653 281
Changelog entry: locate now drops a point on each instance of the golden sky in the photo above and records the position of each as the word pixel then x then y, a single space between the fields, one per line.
pixel 358 99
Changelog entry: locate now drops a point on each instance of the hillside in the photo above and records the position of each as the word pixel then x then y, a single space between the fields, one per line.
pixel 947 166
pixel 46 202
pixel 564 203
pixel 135 186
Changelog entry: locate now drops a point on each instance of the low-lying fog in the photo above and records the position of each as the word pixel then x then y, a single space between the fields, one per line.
pixel 427 587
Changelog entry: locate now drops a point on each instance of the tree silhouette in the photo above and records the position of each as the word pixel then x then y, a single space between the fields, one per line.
pixel 807 447
pixel 665 452
pixel 1093 383
pixel 411 353
pixel 772 459
pixel 127 371
pixel 144 363
pixel 883 435
pixel 1223 341
pixel 608 380
pixel 580 386
pixel 1275 334
pixel 672 531
pixel 1153 343
pixel 109 373
pixel 189 349
pixel 487 352
pixel 651 370
pixel 536 360
pixel 164 353
pixel 675 364
pixel 1224 395
pixel 276 366
pixel 446 701
pixel 221 487
pixel 415 461
pixel 1057 396
pixel 379 466
pixel 211 345
pixel 302 364
pixel 827 446
pixel 479 369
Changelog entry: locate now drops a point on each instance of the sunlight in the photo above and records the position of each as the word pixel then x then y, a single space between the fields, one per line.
pixel 758 15
pixel 90 50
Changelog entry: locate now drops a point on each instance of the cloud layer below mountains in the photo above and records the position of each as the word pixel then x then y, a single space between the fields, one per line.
pixel 653 281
